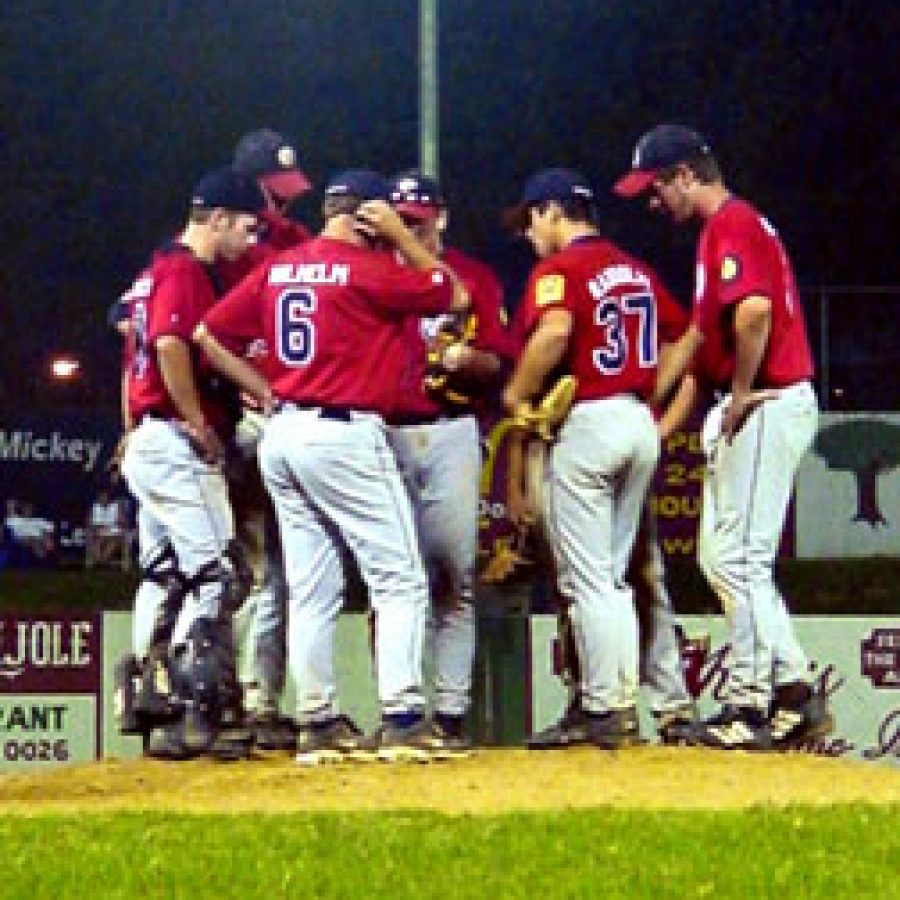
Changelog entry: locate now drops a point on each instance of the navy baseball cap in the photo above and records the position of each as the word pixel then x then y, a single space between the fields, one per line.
pixel 268 157
pixel 561 185
pixel 362 183
pixel 417 195
pixel 226 188
pixel 666 145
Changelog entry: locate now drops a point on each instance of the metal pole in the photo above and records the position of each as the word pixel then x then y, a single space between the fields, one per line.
pixel 824 360
pixel 428 88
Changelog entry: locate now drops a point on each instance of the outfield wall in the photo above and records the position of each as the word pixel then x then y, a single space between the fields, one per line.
pixel 56 682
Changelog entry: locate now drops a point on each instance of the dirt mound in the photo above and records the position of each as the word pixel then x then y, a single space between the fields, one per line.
pixel 492 781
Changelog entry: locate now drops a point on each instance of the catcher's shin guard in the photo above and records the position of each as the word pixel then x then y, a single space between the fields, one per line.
pixel 200 670
pixel 160 566
pixel 157 700
pixel 126 681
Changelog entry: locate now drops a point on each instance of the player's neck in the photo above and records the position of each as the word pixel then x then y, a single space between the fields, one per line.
pixel 710 198
pixel 573 231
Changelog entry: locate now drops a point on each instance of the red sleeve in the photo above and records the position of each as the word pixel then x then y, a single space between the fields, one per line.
pixel 398 289
pixel 236 319
pixel 181 299
pixel 546 290
pixel 492 336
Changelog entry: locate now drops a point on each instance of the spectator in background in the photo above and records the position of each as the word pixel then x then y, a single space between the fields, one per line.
pixel 106 537
pixel 32 538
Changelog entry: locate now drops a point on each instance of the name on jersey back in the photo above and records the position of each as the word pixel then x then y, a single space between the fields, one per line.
pixel 309 273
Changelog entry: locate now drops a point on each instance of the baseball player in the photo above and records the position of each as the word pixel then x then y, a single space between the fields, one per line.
pixel 747 339
pixel 436 440
pixel 269 158
pixel 334 309
pixel 590 311
pixel 183 416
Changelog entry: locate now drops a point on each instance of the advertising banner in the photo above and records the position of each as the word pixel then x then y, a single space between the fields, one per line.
pixel 857 662
pixel 56 462
pixel 51 668
pixel 848 488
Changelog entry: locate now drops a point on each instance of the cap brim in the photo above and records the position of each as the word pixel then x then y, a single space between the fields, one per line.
pixel 417 210
pixel 635 182
pixel 287 183
pixel 517 218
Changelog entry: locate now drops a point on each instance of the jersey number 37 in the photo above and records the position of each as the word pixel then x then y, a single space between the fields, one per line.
pixel 617 316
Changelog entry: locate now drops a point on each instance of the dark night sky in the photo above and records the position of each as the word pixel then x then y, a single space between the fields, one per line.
pixel 111 110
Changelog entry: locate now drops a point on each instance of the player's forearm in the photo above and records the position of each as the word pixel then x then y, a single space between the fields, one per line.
pixel 177 373
pixel 541 355
pixel 674 363
pixel 233 367
pixel 680 407
pixel 752 322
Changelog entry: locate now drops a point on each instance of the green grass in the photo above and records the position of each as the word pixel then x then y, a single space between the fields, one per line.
pixel 801 852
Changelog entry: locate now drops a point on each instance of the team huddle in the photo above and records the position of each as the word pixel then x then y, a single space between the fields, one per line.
pixel 330 386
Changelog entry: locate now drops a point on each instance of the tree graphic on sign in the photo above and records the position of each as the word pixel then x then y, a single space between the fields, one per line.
pixel 867 448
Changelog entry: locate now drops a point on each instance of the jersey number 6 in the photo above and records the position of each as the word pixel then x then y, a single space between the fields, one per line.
pixel 295 330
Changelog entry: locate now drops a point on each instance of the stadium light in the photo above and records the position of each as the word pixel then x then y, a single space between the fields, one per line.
pixel 65 368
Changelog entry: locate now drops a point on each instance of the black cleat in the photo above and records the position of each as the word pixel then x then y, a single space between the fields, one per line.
pixel 799 713
pixel 735 728
pixel 608 730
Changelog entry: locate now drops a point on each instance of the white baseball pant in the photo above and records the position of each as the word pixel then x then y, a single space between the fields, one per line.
pixel 185 499
pixel 601 467
pixel 441 466
pixel 338 481
pixel 746 492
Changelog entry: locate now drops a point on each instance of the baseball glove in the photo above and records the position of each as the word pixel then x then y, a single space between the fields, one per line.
pixel 440 379
pixel 545 419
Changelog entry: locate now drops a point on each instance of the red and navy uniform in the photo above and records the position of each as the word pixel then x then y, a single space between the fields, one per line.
pixel 277 233
pixel 169 298
pixel 334 314
pixel 416 402
pixel 614 301
pixel 740 255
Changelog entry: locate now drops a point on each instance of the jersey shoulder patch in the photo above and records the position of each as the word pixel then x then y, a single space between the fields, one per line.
pixel 730 268
pixel 549 289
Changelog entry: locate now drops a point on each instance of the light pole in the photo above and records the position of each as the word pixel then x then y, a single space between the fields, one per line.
pixel 429 124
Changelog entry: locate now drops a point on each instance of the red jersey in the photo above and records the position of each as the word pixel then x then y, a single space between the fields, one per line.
pixel 168 299
pixel 740 255
pixel 614 300
pixel 334 314
pixel 491 335
pixel 277 233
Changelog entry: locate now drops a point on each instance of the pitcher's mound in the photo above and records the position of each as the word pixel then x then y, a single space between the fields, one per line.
pixel 494 780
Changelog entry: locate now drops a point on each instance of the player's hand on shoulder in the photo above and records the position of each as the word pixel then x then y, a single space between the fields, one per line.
pixel 378 219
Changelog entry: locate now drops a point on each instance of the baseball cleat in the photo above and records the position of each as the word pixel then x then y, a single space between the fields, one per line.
pixel 677 728
pixel 608 730
pixel 799 713
pixel 423 741
pixel 336 740
pixel 167 743
pixel 273 733
pixel 735 728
